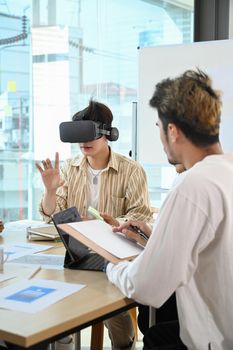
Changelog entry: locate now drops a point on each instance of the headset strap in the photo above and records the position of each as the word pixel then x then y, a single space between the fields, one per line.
pixel 104 132
pixel 103 129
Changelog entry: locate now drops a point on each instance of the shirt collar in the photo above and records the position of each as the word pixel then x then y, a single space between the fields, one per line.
pixel 81 162
pixel 113 162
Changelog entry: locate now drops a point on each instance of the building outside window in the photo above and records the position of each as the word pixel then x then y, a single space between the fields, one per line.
pixel 54 56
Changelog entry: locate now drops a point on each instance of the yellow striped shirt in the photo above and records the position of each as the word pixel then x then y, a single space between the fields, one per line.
pixel 123 191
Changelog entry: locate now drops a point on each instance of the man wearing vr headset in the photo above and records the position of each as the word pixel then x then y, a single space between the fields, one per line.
pixel 109 182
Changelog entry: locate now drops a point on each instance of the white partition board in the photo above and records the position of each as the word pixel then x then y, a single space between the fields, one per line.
pixel 157 63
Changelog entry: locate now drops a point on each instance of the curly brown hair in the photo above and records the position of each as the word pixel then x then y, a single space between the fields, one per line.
pixel 190 102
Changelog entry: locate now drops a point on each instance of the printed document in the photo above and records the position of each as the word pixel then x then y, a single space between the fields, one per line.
pixel 46 261
pixel 36 294
pixel 5 277
pixel 14 251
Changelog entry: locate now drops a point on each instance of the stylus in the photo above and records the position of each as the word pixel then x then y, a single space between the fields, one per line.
pixel 140 232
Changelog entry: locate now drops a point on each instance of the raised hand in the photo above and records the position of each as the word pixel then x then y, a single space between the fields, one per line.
pixel 50 175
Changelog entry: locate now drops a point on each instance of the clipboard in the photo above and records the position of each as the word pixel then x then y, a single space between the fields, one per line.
pixel 95 225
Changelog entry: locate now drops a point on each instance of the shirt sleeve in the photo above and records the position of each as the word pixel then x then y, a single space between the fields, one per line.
pixel 170 257
pixel 137 198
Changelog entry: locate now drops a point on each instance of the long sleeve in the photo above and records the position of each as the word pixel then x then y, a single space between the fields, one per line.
pixel 124 192
pixel 190 252
pixel 137 203
pixel 170 257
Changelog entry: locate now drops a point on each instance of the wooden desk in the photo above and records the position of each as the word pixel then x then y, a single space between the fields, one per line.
pixel 98 301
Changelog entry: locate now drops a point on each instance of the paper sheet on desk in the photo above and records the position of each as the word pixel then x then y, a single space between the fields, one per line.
pixel 101 233
pixel 35 294
pixel 46 261
pixel 14 251
pixel 22 225
pixel 6 277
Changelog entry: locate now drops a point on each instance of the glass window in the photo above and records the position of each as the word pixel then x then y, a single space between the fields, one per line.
pixel 54 57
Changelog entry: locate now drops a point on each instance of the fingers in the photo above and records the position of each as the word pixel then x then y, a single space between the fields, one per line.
pixel 109 219
pixel 39 168
pixel 105 216
pixel 131 225
pixel 85 218
pixel 142 226
pixel 130 234
pixel 44 164
pixel 134 237
pixel 125 225
pixel 47 164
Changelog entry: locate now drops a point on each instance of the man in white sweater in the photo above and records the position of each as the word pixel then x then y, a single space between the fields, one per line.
pixel 190 250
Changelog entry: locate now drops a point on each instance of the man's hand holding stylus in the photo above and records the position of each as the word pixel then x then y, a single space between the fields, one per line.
pixel 128 228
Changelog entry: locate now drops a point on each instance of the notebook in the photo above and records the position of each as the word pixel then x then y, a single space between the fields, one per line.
pixel 77 256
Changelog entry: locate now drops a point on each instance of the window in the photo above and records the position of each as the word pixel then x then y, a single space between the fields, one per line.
pixel 54 57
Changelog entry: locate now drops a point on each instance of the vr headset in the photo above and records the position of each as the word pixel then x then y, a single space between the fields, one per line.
pixel 79 131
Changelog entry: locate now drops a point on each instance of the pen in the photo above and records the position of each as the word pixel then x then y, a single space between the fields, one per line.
pixel 34 273
pixel 140 232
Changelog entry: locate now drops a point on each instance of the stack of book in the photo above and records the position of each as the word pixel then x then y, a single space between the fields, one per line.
pixel 43 233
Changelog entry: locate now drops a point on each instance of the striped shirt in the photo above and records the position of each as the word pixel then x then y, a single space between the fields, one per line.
pixel 123 191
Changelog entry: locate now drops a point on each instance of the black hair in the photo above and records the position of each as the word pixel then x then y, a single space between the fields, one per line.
pixel 97 112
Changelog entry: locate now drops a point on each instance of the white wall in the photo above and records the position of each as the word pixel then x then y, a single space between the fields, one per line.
pixel 155 64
